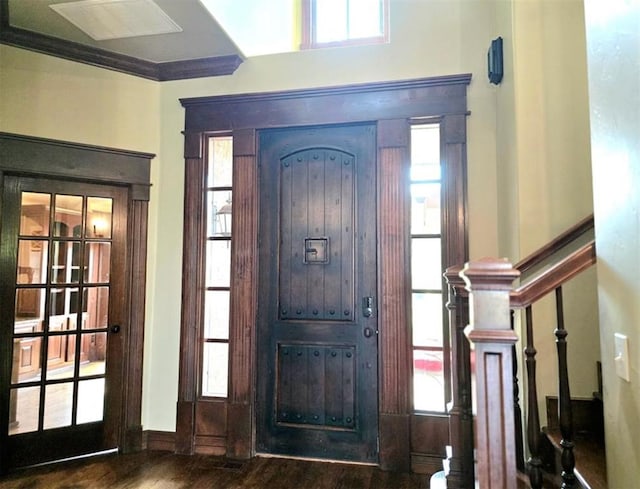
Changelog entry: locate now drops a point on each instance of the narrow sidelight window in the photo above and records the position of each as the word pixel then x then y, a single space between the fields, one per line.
pixel 215 328
pixel 426 269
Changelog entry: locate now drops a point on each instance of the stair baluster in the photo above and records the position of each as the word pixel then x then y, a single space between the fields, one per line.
pixel 460 459
pixel 534 437
pixel 517 412
pixel 565 413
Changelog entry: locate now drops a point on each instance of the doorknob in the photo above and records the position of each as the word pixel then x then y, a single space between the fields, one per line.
pixel 115 328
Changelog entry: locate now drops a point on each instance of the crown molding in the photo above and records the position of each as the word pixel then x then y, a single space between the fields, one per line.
pixel 60 48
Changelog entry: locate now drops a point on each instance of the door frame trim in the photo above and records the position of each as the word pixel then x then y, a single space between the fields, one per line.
pixel 47 158
pixel 226 426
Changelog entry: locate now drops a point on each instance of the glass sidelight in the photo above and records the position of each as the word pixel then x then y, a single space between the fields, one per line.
pixel 217 295
pixel 62 290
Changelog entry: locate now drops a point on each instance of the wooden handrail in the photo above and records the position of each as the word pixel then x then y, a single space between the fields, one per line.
pixel 554 277
pixel 562 240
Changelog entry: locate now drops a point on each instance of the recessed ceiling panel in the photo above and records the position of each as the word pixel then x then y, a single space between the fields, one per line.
pixel 117 19
pixel 201 36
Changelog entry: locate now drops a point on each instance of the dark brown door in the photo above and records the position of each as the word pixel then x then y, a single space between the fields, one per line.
pixel 61 300
pixel 317 328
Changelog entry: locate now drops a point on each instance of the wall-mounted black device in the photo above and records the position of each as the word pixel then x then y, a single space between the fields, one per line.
pixel 494 61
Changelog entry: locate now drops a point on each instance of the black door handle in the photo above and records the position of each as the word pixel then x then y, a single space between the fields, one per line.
pixel 115 328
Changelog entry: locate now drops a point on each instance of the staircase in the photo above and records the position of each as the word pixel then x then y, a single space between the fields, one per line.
pixel 482 295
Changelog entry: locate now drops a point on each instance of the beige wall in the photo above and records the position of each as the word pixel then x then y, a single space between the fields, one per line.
pixel 613 42
pixel 544 169
pixel 53 98
pixel 427 39
pixel 48 97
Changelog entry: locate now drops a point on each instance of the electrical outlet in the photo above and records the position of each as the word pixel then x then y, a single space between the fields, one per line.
pixel 621 356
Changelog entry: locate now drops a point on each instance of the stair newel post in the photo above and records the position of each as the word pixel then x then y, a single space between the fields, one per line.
pixel 517 412
pixel 489 282
pixel 460 452
pixel 565 412
pixel 534 435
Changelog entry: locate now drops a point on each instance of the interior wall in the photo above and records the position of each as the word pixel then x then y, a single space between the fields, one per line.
pixel 58 99
pixel 613 43
pixel 544 169
pixel 427 39
pixel 49 97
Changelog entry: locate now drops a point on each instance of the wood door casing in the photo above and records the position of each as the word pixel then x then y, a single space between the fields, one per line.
pixel 317 346
pixel 39 157
pixel 406 439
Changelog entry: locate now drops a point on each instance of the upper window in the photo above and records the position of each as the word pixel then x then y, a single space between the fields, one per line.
pixel 344 22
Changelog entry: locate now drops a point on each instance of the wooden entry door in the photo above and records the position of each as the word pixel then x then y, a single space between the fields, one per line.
pixel 62 297
pixel 317 384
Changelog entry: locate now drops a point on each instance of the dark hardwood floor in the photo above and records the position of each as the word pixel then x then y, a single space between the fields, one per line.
pixel 163 470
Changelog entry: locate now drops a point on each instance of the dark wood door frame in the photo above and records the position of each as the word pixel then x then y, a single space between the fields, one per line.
pixel 39 157
pixel 227 425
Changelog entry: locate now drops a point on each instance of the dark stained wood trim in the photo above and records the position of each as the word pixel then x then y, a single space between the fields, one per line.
pixel 39 157
pixel 460 409
pixel 393 281
pixel 137 244
pixel 198 68
pixel 244 297
pixel 244 247
pixel 395 448
pixel 555 245
pixel 32 155
pixel 210 445
pixel 73 51
pixel 353 103
pixel 555 276
pixel 392 105
pixel 429 436
pixel 489 283
pixel 6 361
pixel 394 286
pixel 192 292
pixel 304 93
pixel 159 440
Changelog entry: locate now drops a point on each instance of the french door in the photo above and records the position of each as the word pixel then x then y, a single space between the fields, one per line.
pixel 62 304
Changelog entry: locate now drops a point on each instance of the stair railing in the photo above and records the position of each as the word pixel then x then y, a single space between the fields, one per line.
pixel 524 297
pixel 471 291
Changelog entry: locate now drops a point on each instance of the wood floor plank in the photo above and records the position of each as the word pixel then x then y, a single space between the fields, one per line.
pixel 163 470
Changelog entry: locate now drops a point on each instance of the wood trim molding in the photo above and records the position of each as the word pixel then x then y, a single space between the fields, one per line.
pixel 392 105
pixel 489 283
pixel 27 154
pixel 192 296
pixel 60 48
pixel 549 280
pixel 244 294
pixel 137 250
pixel 159 440
pixel 39 157
pixel 555 245
pixel 352 103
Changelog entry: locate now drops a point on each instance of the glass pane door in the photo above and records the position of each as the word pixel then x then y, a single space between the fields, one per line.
pixel 62 290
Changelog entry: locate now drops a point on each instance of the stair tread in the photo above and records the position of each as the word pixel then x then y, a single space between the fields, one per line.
pixel 589 452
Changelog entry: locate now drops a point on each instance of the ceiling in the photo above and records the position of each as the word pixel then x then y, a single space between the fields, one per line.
pixel 201 48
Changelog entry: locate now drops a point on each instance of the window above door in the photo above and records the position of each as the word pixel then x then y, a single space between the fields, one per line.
pixel 333 23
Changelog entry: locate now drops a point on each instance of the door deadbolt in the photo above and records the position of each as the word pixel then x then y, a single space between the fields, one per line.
pixel 367 306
